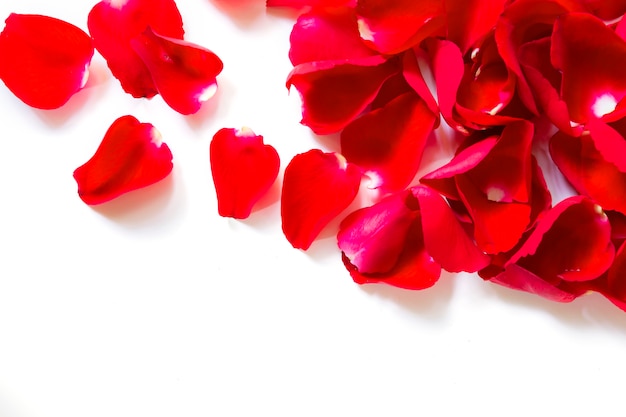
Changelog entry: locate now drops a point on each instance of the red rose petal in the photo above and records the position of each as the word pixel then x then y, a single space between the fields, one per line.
pixel 389 141
pixel 468 21
pixel 317 186
pixel 392 27
pixel 616 279
pixel 384 243
pixel 183 73
pixel 243 169
pixel 335 93
pixel 44 60
pixel 313 3
pixel 518 278
pixel 131 156
pixel 113 23
pixel 588 172
pixel 414 77
pixel 572 242
pixel 592 66
pixel 444 238
pixel 327 35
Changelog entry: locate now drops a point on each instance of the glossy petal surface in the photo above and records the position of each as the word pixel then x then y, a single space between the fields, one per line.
pixel 243 169
pixel 44 61
pixel 317 186
pixel 131 156
pixel 183 73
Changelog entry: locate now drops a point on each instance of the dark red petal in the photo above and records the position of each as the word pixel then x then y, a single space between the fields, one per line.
pixel 444 237
pixel 395 26
pixel 606 9
pixel 384 243
pixel 389 141
pixel 588 172
pixel 372 238
pixel 616 279
pixel 571 242
pixel 131 156
pixel 113 23
pixel 243 170
pixel 592 66
pixel 334 93
pixel 44 60
pixel 317 186
pixel 183 73
pixel 327 35
pixel 468 21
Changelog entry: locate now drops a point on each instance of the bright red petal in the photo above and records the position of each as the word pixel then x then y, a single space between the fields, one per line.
pixel 131 156
pixel 327 35
pixel 183 73
pixel 317 186
pixel 44 60
pixel 389 141
pixel 468 21
pixel 313 3
pixel 113 23
pixel 243 169
pixel 335 93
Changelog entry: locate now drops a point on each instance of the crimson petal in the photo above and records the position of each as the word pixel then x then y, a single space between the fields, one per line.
pixel 131 156
pixel 243 169
pixel 313 3
pixel 334 93
pixel 44 60
pixel 114 23
pixel 384 243
pixel 317 186
pixel 183 73
pixel 389 141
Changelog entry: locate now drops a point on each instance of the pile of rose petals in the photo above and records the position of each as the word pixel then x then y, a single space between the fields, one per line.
pixel 509 78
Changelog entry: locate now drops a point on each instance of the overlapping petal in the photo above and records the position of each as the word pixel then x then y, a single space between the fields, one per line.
pixel 389 141
pixel 310 3
pixel 243 169
pixel 184 74
pixel 317 186
pixel 114 23
pixel 131 156
pixel 44 61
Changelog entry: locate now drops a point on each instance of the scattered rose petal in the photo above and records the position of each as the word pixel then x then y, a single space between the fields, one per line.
pixel 317 186
pixel 44 60
pixel 183 73
pixel 131 156
pixel 243 169
pixel 114 23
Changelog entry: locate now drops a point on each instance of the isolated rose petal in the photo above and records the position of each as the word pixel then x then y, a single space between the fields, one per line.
pixel 183 73
pixel 44 60
pixel 131 156
pixel 572 242
pixel 335 93
pixel 113 23
pixel 243 169
pixel 588 172
pixel 389 141
pixel 444 238
pixel 327 35
pixel 394 26
pixel 317 186
pixel 384 243
pixel 592 66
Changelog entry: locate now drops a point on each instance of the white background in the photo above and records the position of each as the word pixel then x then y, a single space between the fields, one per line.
pixel 153 305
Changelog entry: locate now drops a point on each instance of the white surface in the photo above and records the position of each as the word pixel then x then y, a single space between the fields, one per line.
pixel 153 305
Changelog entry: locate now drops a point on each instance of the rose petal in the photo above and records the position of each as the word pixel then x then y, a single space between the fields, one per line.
pixel 389 141
pixel 468 21
pixel 243 170
pixel 317 186
pixel 131 156
pixel 384 243
pixel 444 238
pixel 44 60
pixel 183 73
pixel 113 23
pixel 518 278
pixel 327 35
pixel 414 77
pixel 392 27
pixel 335 93
pixel 312 3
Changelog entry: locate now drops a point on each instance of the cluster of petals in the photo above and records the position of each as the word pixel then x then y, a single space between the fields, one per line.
pixel 511 79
